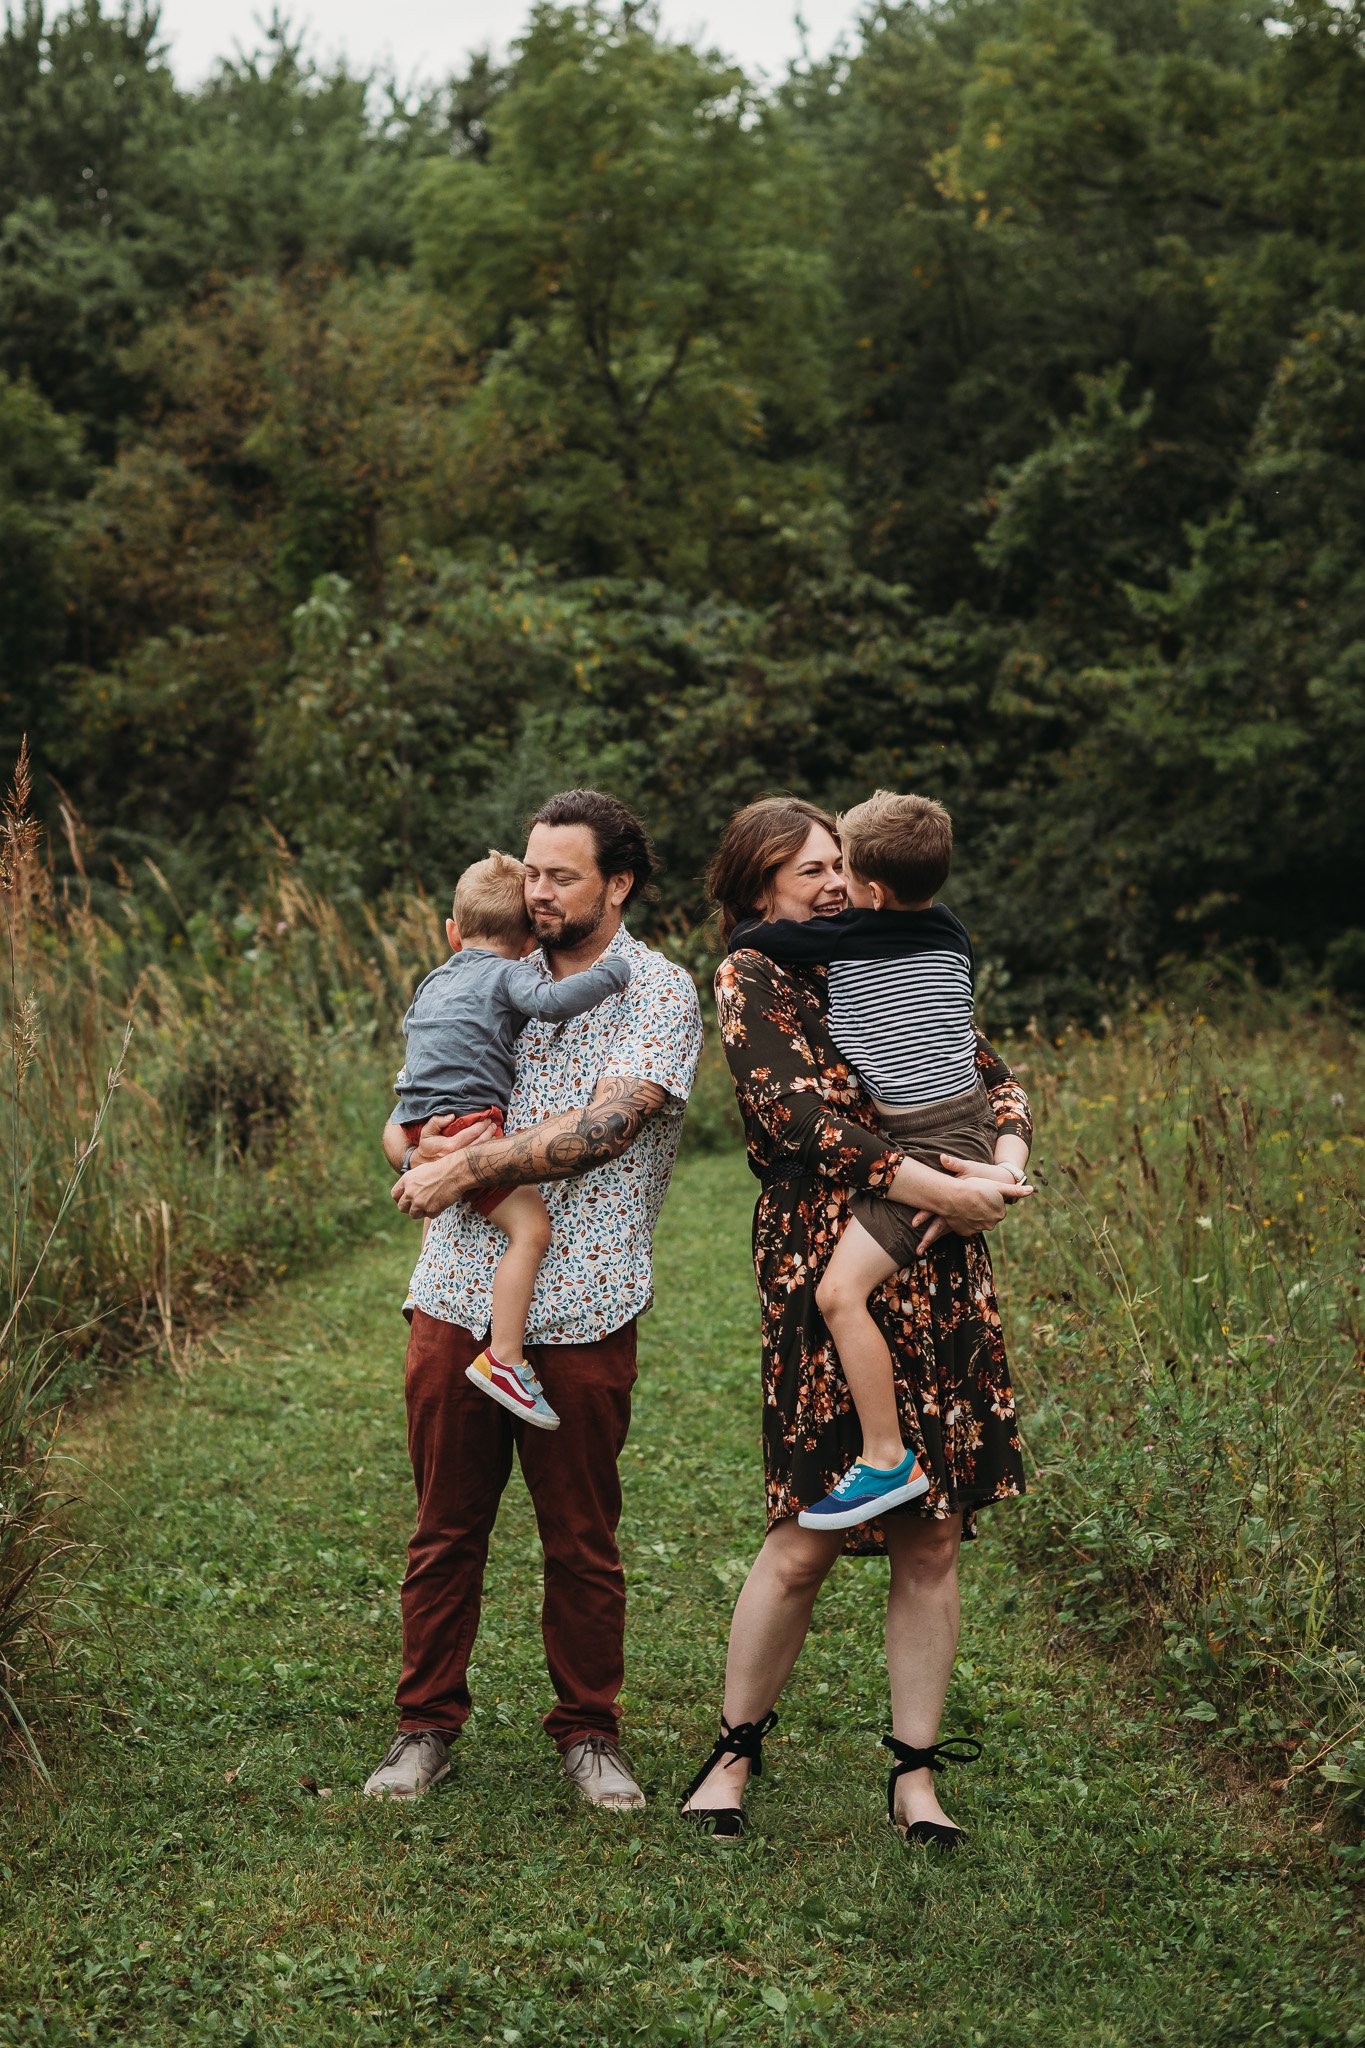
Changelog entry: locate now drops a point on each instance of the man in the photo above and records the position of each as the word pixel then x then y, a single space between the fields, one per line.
pixel 594 1119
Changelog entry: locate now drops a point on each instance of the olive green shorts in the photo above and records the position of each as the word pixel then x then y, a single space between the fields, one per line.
pixel 961 1124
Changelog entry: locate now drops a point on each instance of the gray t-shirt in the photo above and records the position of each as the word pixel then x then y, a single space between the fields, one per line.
pixel 462 1027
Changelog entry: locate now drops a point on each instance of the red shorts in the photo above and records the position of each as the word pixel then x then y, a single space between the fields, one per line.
pixel 491 1198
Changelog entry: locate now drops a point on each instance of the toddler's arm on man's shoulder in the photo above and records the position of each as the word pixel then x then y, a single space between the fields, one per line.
pixel 536 995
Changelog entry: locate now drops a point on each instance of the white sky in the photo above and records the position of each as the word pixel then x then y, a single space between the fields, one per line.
pixel 426 39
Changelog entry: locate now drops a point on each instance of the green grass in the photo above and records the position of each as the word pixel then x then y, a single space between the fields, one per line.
pixel 188 1884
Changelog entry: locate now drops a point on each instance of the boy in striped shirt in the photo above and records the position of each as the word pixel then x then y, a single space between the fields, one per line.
pixel 900 1011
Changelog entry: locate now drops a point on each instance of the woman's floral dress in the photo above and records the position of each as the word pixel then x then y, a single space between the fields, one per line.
pixel 812 1140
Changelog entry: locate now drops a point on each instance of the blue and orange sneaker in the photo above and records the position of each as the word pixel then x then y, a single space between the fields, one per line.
pixel 864 1492
pixel 514 1387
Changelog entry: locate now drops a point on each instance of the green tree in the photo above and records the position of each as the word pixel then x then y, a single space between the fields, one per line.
pixel 41 474
pixel 91 126
pixel 302 428
pixel 291 163
pixel 1032 192
pixel 637 261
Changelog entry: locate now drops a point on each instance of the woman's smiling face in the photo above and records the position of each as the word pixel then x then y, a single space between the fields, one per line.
pixel 810 882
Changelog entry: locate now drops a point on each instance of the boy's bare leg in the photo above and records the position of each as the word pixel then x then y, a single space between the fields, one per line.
pixel 857 1269
pixel 525 1220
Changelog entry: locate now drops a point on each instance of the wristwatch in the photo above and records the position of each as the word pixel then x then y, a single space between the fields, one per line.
pixel 407 1159
pixel 1016 1173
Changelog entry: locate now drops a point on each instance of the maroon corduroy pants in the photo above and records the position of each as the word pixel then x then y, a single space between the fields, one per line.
pixel 461 1445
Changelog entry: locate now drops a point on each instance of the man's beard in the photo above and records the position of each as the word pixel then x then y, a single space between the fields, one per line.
pixel 566 935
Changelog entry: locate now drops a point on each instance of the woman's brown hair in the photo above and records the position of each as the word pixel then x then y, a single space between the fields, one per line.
pixel 756 842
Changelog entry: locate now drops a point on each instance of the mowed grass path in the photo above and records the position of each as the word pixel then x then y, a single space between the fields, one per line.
pixel 187 1884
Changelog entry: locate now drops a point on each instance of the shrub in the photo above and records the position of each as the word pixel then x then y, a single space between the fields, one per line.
pixel 126 1231
pixel 1197 1424
pixel 241 1085
pixel 38 1204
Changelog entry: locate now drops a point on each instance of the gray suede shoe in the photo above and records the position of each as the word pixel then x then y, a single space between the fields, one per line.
pixel 601 1773
pixel 418 1758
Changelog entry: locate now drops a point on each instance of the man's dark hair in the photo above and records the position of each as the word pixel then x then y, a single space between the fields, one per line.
pixel 620 840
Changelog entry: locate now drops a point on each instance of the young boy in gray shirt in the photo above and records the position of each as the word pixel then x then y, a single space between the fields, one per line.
pixel 461 1035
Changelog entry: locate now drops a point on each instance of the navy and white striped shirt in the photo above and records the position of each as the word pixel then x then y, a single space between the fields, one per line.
pixel 900 995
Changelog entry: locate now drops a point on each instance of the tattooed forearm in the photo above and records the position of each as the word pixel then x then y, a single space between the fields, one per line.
pixel 570 1144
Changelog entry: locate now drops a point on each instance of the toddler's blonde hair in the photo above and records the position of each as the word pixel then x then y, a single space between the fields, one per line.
pixel 490 900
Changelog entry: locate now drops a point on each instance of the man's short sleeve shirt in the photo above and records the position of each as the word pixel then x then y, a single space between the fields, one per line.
pixel 598 1272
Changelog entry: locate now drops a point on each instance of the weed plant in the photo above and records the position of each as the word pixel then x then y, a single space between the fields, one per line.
pixel 262 1047
pixel 189 1103
pixel 30 1549
pixel 1187 1296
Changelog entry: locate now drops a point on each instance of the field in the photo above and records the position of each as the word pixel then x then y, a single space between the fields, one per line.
pixel 974 407
pixel 205 1870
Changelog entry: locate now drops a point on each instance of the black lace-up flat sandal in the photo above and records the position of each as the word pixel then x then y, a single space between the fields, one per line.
pixel 958 1749
pixel 723 1825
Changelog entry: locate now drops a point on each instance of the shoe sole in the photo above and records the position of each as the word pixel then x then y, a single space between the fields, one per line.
pixel 849 1518
pixel 942 1845
pixel 388 1792
pixel 720 1845
pixel 715 1845
pixel 513 1407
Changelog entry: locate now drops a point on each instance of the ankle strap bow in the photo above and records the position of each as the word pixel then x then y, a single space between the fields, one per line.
pixel 958 1749
pixel 745 1740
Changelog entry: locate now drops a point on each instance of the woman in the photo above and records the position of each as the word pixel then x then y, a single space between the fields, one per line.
pixel 812 1141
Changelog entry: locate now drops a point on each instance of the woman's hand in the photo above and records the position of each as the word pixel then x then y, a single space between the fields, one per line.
pixel 438 1175
pixel 930 1227
pixel 976 1169
pixel 978 1203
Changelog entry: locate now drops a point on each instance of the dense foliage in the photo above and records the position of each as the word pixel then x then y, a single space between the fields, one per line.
pixel 981 410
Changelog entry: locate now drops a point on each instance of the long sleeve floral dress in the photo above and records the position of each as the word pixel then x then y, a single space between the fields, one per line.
pixel 812 1140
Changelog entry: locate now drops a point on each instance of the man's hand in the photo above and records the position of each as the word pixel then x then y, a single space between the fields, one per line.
pixel 556 1150
pixel 396 1145
pixel 433 1148
pixel 434 1144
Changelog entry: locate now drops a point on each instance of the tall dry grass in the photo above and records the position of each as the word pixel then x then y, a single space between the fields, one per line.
pixel 1186 1297
pixel 189 1098
pixel 31 1549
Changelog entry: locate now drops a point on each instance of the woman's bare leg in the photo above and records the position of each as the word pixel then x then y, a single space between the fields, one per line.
pixel 922 1619
pixel 770 1622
